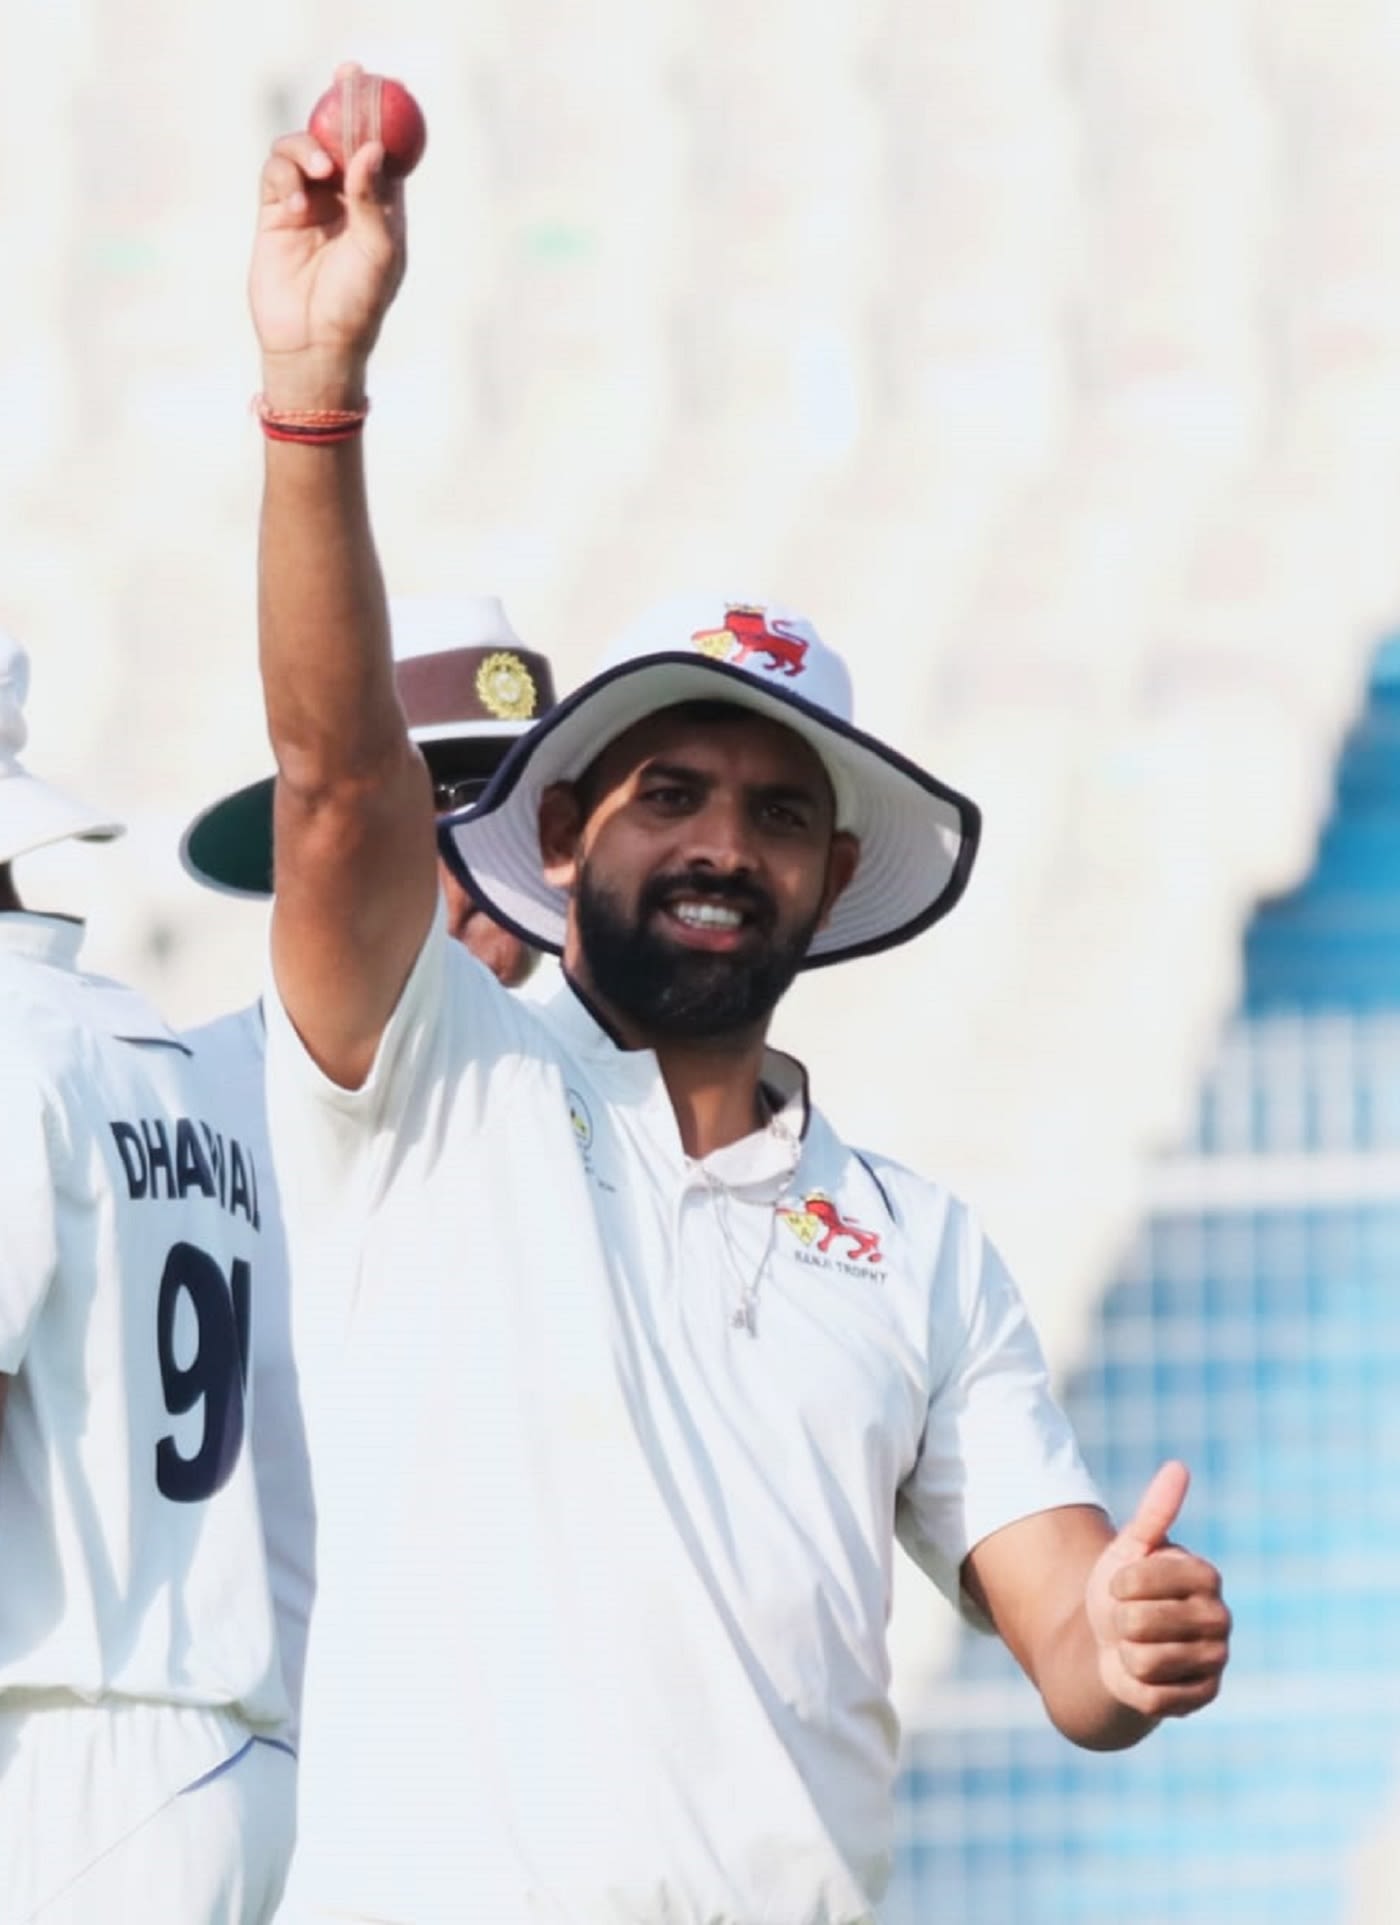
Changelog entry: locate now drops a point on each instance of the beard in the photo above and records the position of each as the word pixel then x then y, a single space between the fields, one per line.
pixel 677 994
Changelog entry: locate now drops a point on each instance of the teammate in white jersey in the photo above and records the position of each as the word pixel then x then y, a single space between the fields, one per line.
pixel 140 1692
pixel 469 688
pixel 630 1370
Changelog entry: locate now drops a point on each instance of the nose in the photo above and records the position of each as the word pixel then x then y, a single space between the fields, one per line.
pixel 720 837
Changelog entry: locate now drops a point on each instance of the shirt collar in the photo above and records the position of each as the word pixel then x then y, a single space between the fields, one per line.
pixel 54 940
pixel 100 1003
pixel 765 1154
pixel 787 1088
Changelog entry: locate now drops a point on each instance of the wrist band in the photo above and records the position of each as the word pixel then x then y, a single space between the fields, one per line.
pixel 316 426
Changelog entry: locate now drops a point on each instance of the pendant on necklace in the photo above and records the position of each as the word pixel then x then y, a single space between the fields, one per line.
pixel 744 1319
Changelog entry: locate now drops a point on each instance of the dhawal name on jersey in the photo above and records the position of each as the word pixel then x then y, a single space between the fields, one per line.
pixel 165 1161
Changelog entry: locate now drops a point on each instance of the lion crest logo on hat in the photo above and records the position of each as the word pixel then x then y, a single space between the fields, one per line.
pixel 506 687
pixel 748 638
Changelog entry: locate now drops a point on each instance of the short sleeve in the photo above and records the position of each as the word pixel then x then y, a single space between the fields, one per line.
pixel 28 1211
pixel 996 1447
pixel 450 1014
pixel 318 1126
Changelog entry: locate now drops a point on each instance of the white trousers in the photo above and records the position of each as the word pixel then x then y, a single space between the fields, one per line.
pixel 156 1815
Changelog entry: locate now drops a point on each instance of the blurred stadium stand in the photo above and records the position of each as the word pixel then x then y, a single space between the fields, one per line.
pixel 1254 1331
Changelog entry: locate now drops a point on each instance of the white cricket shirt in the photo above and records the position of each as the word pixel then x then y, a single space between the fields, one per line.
pixel 131 1553
pixel 604 1577
pixel 232 1049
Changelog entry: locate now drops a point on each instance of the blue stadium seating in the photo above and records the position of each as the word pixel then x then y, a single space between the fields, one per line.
pixel 1261 1344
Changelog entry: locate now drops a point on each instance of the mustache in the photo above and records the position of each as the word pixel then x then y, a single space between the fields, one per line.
pixel 701 885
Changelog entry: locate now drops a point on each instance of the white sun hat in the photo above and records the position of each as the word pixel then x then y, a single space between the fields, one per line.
pixel 917 836
pixel 33 814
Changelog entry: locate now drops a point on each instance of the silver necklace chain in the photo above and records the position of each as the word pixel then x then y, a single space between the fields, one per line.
pixel 744 1315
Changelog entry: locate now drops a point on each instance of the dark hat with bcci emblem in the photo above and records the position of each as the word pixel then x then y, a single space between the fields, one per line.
pixel 469 687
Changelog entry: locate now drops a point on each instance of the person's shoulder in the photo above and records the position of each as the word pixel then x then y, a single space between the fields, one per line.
pixel 239 1032
pixel 85 1004
pixel 42 1015
pixel 926 1240
pixel 39 1043
pixel 69 1039
pixel 228 1057
pixel 515 1020
pixel 911 1200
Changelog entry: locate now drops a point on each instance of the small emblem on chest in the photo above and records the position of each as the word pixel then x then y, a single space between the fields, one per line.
pixel 580 1119
pixel 581 1123
pixel 821 1229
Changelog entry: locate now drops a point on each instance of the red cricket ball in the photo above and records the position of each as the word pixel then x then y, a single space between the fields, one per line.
pixel 362 107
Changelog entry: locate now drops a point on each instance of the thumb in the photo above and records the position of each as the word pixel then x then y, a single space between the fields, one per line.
pixel 1158 1509
pixel 370 194
pixel 374 223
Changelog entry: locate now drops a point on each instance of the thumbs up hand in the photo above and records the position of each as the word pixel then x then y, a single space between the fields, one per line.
pixel 1160 1623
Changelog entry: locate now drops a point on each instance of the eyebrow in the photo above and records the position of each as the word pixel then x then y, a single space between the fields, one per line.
pixel 672 772
pixel 765 791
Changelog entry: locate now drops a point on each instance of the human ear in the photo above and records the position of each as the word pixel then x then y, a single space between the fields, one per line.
pixel 561 821
pixel 841 865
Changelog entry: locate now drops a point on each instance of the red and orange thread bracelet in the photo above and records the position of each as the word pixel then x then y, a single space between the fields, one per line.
pixel 313 427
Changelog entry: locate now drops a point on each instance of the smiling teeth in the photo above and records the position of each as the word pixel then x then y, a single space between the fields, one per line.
pixel 707 915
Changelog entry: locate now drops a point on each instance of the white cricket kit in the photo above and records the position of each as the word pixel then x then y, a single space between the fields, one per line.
pixel 132 1571
pixel 610 1448
pixel 233 1048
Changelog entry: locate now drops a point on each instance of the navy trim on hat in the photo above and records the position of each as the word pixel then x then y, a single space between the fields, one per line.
pixel 761 698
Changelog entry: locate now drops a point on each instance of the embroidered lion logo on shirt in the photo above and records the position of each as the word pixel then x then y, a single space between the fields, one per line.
pixel 817 1223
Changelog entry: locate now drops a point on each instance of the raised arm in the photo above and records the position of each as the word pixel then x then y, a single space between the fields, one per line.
pixel 356 875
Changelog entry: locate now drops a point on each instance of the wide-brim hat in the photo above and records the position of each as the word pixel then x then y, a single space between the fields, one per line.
pixel 469 689
pixel 918 836
pixel 34 814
